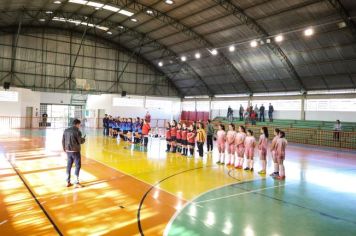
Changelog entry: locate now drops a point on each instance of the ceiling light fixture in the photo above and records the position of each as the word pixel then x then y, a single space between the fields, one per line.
pixel 134 20
pixel 253 43
pixel 279 38
pixel 57 2
pixel 49 12
pixel 183 58
pixel 109 32
pixel 42 20
pixel 169 2
pixel 309 32
pixel 149 12
pixel 160 64
pixel 197 55
pixel 214 52
pixel 232 48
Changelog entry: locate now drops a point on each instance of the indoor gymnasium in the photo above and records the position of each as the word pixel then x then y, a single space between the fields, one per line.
pixel 178 117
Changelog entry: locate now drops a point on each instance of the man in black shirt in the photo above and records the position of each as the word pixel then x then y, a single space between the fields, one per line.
pixel 270 112
pixel 262 113
pixel 106 125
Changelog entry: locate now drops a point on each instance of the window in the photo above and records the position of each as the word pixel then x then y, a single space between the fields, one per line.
pixel 330 104
pixel 280 105
pixel 188 106
pixel 160 104
pixel 203 106
pixel 221 105
pixel 9 96
pixel 128 102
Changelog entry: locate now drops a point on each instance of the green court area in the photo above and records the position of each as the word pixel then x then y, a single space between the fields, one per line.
pixel 318 202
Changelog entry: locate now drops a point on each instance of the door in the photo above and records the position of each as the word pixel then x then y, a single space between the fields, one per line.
pixel 29 115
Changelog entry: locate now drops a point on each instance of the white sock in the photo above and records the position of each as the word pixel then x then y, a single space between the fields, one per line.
pixel 232 156
pixel 276 167
pixel 248 163
pixel 281 170
pixel 241 161
pixel 263 162
pixel 251 164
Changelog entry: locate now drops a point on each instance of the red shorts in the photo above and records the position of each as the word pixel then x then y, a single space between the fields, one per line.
pixel 263 154
pixel 249 153
pixel 231 148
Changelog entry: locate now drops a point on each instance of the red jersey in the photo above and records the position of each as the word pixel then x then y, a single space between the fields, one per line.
pixel 191 137
pixel 173 131
pixel 168 134
pixel 145 129
pixel 179 134
pixel 184 134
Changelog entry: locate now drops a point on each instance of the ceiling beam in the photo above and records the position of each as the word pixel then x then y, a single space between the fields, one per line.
pixel 12 29
pixel 253 25
pixel 168 20
pixel 344 15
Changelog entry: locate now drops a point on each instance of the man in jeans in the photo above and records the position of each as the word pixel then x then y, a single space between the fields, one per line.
pixel 106 125
pixel 71 141
pixel 209 135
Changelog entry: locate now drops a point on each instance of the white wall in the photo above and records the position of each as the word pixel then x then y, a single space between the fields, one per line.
pixel 331 116
pixel 105 101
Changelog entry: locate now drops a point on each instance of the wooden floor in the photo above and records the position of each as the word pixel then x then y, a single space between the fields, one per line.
pixel 132 192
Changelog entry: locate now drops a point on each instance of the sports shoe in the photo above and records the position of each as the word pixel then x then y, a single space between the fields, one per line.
pixel 274 174
pixel 247 168
pixel 222 163
pixel 219 162
pixel 69 184
pixel 78 185
pixel 251 169
pixel 281 177
pixel 262 172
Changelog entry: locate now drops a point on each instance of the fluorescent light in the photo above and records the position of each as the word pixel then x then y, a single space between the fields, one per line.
pixel 183 58
pixel 95 4
pixel 78 2
pixel 214 52
pixel 134 20
pixel 42 20
pixel 338 91
pixel 230 95
pixel 150 12
pixel 103 28
pixel 169 2
pixel 49 12
pixel 160 64
pixel 232 48
pixel 197 55
pixel 279 38
pixel 111 8
pixel 277 94
pixel 126 13
pixel 268 40
pixel 120 27
pixel 197 97
pixel 253 43
pixel 309 32
pixel 109 32
pixel 57 2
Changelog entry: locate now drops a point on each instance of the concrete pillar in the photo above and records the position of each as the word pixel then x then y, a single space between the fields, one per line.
pixel 302 110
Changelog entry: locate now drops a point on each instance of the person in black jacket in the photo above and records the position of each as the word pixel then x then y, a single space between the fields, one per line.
pixel 262 113
pixel 270 112
pixel 71 141
pixel 106 125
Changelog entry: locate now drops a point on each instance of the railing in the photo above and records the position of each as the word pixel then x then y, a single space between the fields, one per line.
pixel 312 136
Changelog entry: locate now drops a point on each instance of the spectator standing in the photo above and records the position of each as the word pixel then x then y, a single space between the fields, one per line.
pixel 209 136
pixel 106 125
pixel 337 130
pixel 253 117
pixel 230 114
pixel 270 112
pixel 241 112
pixel 262 113
pixel 256 110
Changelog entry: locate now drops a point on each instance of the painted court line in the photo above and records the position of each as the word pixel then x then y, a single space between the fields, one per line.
pixel 238 194
pixel 1 223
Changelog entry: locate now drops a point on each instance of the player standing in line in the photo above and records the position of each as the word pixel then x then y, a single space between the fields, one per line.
pixel 240 146
pixel 230 144
pixel 184 139
pixel 179 137
pixel 262 148
pixel 174 136
pixel 191 140
pixel 168 136
pixel 281 146
pixel 250 143
pixel 273 151
pixel 221 139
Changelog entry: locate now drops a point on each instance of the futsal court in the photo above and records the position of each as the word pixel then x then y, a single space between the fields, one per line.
pixel 178 117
